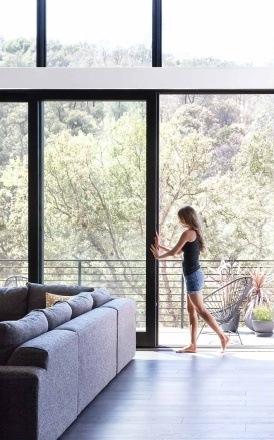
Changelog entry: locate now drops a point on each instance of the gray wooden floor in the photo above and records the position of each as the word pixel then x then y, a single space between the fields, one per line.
pixel 163 395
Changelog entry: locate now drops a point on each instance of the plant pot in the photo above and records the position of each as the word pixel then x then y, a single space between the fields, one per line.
pixel 232 324
pixel 249 317
pixel 263 328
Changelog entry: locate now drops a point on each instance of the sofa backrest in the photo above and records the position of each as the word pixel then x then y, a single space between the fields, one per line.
pixel 15 333
pixel 57 314
pixel 21 327
pixel 13 303
pixel 37 293
pixel 100 295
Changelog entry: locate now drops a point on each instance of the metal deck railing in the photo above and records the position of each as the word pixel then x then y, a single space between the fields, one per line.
pixel 127 278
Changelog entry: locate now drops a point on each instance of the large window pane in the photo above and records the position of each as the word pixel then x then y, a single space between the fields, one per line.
pixel 216 154
pixel 13 193
pixel 92 33
pixel 218 33
pixel 95 196
pixel 18 33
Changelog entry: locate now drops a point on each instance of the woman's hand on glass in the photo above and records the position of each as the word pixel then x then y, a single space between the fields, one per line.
pixel 157 241
pixel 155 251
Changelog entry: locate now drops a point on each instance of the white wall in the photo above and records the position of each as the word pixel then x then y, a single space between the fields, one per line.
pixel 159 78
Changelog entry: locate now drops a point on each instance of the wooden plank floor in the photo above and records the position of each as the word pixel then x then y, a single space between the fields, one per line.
pixel 167 396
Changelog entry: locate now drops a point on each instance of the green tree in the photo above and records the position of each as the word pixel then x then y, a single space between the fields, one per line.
pixel 20 52
pixel 92 197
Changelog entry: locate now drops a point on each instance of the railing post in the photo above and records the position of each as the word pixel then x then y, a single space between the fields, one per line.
pixel 79 272
pixel 182 301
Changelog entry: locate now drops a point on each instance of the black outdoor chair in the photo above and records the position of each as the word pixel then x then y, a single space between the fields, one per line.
pixel 15 280
pixel 225 304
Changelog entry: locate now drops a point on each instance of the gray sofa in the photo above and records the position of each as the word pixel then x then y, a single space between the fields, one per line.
pixel 54 361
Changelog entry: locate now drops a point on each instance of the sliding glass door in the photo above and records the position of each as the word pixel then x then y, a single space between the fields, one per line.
pixel 95 196
pixel 216 154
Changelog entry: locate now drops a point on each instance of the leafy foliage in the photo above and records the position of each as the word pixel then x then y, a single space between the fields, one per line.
pixel 263 313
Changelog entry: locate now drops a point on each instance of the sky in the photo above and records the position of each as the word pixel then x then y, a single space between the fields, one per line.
pixel 238 30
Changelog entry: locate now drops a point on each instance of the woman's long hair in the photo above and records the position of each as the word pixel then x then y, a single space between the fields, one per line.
pixel 189 216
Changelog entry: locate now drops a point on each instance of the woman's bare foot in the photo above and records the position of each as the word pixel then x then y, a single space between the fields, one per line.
pixel 224 341
pixel 191 348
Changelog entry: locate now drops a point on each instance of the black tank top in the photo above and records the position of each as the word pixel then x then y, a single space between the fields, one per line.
pixel 191 252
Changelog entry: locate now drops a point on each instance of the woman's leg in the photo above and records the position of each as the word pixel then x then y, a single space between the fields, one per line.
pixel 193 327
pixel 197 301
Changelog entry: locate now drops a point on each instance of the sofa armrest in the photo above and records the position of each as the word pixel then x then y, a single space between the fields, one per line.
pixel 52 405
pixel 29 357
pixel 19 388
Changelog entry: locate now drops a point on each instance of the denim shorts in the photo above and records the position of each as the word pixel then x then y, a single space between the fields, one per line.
pixel 195 281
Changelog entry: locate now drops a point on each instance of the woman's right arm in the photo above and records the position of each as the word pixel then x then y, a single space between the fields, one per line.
pixel 175 250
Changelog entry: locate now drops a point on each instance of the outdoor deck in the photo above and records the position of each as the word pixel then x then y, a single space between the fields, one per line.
pixel 176 337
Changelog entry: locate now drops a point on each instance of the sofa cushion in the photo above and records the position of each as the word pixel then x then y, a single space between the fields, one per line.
pixel 51 298
pixel 15 333
pixel 81 303
pixel 100 296
pixel 37 293
pixel 13 303
pixel 97 343
pixel 57 314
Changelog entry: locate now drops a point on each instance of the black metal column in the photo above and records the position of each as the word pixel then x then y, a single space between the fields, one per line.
pixel 41 43
pixel 35 210
pixel 156 33
pixel 152 209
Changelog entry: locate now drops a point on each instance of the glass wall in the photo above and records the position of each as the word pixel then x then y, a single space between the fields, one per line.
pixel 95 196
pixel 92 33
pixel 105 33
pixel 217 155
pixel 216 33
pixel 13 193
pixel 18 33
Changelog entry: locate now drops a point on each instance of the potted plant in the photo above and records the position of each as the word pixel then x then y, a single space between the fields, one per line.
pixel 263 323
pixel 258 295
pixel 227 272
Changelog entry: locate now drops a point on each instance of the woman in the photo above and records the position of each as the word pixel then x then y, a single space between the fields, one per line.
pixel 191 243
